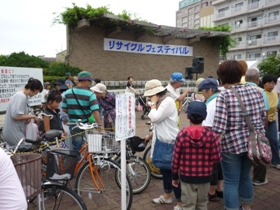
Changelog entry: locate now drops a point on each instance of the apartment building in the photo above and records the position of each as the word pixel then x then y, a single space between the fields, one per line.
pixel 255 24
pixel 255 27
pixel 193 14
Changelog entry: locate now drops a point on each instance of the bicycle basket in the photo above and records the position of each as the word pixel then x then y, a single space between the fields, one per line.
pixel 137 144
pixel 61 164
pixel 102 142
pixel 28 168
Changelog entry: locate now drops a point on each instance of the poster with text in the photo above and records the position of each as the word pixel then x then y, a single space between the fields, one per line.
pixel 13 79
pixel 125 116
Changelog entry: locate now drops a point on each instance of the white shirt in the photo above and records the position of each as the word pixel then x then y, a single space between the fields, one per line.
pixel 174 93
pixel 211 109
pixel 165 120
pixel 11 193
pixel 277 86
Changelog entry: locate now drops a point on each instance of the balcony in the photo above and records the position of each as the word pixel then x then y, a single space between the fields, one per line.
pixel 272 19
pixel 216 2
pixel 254 5
pixel 271 40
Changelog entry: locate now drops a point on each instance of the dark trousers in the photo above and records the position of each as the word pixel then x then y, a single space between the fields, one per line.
pixel 167 184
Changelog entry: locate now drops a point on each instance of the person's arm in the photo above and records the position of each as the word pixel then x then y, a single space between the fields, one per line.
pixel 96 115
pixel 133 90
pixel 183 95
pixel 47 123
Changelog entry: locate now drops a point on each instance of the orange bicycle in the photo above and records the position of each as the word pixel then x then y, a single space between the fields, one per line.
pixel 96 173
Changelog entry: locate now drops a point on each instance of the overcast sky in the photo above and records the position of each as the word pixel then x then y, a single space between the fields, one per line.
pixel 26 25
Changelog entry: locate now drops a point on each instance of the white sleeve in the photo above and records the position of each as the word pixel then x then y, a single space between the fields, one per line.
pixel 164 110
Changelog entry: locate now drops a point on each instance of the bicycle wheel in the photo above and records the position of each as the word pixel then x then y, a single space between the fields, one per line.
pixel 155 172
pixel 56 197
pixel 138 172
pixel 109 196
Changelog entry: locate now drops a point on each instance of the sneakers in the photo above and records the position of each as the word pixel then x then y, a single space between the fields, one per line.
pixel 213 198
pixel 177 207
pixel 277 166
pixel 258 183
pixel 162 200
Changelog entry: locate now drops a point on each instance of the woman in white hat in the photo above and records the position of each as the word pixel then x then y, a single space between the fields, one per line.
pixel 164 116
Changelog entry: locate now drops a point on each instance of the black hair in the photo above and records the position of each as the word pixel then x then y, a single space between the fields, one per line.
pixel 196 119
pixel 34 84
pixel 54 95
pixel 269 78
pixel 128 78
pixel 162 93
pixel 96 80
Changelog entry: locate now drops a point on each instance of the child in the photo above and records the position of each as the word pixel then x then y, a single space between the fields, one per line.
pixel 195 152
pixel 51 114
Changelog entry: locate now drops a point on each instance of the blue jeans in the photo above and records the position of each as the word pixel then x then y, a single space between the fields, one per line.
pixel 167 184
pixel 77 140
pixel 237 182
pixel 273 140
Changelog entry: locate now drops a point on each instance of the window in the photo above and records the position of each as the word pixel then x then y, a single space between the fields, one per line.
pixel 238 7
pixel 269 53
pixel 197 7
pixel 222 12
pixel 237 56
pixel 196 16
pixel 238 23
pixel 190 10
pixel 273 16
pixel 238 39
pixel 273 33
pixel 254 21
pixel 254 56
pixel 185 19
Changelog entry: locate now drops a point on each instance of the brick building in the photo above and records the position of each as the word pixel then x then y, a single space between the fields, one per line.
pixel 86 49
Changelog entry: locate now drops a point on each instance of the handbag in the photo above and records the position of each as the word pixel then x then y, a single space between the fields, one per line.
pixel 259 150
pixel 90 119
pixel 162 155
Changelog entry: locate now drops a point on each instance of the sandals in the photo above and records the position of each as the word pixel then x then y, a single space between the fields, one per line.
pixel 213 198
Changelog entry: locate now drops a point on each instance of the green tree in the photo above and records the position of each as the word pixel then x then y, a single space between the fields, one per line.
pixel 270 65
pixel 60 69
pixel 22 59
pixel 225 42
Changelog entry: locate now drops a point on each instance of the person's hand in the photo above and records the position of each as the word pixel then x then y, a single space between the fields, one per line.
pixel 175 183
pixel 154 99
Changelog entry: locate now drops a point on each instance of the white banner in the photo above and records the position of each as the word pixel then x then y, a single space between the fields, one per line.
pixel 118 45
pixel 125 116
pixel 13 79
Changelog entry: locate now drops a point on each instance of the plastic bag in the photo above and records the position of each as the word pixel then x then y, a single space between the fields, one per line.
pixel 31 131
pixel 139 107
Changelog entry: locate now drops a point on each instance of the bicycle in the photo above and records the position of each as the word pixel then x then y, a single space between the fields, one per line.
pixel 52 191
pixel 95 172
pixel 137 169
pixel 155 172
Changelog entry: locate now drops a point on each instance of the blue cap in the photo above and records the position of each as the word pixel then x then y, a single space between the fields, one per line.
pixel 68 74
pixel 196 111
pixel 207 84
pixel 178 77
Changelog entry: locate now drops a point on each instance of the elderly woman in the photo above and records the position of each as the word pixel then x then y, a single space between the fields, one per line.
pixel 229 122
pixel 107 101
pixel 164 116
pixel 209 89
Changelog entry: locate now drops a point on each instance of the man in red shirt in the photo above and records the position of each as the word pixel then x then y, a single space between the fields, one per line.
pixel 196 150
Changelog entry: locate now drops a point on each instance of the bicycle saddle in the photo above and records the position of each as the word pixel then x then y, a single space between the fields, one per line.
pixel 52 133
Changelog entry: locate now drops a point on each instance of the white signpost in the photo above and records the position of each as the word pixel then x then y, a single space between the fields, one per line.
pixel 13 79
pixel 125 128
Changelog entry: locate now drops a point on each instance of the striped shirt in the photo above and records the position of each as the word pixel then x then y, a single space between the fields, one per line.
pixel 230 122
pixel 87 101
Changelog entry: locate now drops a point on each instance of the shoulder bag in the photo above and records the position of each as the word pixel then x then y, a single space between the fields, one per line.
pixel 259 150
pixel 90 118
pixel 162 155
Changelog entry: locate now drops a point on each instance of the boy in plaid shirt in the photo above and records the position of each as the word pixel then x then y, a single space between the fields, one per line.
pixel 196 150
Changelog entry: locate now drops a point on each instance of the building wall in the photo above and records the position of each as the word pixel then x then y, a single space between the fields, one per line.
pixel 88 54
pixel 255 25
pixel 206 17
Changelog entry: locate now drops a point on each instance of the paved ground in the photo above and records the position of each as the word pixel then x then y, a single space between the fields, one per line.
pixel 267 197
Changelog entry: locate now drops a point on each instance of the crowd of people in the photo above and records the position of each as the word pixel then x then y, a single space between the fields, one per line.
pixel 205 161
